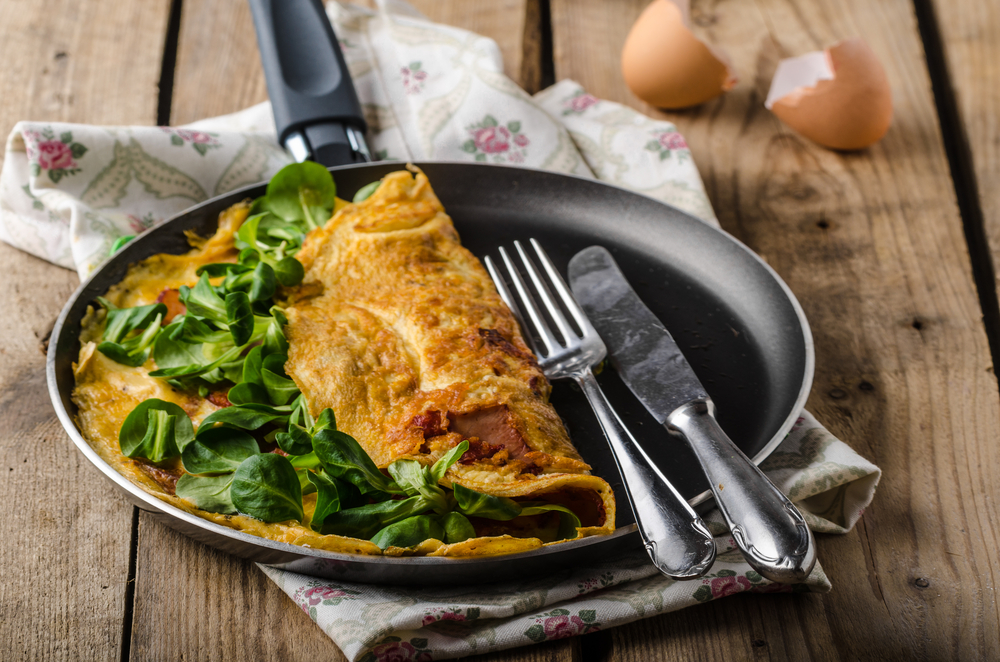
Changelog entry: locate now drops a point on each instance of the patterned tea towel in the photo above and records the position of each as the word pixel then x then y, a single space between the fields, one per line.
pixel 430 92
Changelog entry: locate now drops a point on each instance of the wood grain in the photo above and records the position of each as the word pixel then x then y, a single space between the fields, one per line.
pixel 66 533
pixel 970 37
pixel 218 67
pixel 872 244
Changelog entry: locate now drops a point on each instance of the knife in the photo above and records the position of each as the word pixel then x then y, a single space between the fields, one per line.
pixel 316 110
pixel 770 532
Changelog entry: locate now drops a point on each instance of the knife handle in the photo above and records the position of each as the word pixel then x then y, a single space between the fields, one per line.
pixel 767 528
pixel 678 542
pixel 307 79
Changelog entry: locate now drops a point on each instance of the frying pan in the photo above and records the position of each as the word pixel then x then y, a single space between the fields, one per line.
pixel 739 325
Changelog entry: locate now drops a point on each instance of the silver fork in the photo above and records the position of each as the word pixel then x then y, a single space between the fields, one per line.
pixel 677 540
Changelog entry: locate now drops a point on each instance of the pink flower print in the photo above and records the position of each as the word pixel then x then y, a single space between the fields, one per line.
pixel 729 585
pixel 444 616
pixel 199 140
pixel 773 588
pixel 559 627
pixel 668 143
pixel 497 142
pixel 399 651
pixel 317 594
pixel 579 103
pixel 492 139
pixel 55 155
pixel 413 77
pixel 672 140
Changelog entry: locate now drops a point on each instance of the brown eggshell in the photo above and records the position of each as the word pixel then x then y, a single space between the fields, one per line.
pixel 851 111
pixel 665 65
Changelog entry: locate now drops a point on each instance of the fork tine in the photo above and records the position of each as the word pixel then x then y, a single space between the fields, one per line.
pixel 568 333
pixel 528 302
pixel 564 293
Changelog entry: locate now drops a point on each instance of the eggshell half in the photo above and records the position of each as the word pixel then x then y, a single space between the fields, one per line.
pixel 665 65
pixel 839 98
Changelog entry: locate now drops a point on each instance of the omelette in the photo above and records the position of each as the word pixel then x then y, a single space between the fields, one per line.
pixel 399 331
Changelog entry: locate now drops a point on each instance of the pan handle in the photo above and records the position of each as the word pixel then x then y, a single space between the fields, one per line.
pixel 311 91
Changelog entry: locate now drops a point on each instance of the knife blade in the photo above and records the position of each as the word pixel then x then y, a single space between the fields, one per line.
pixel 768 529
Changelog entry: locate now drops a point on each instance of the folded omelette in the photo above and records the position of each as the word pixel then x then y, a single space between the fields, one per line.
pixel 399 330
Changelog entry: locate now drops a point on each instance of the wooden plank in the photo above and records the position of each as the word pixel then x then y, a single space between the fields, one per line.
pixel 218 66
pixel 872 244
pixel 191 601
pixel 66 534
pixel 970 39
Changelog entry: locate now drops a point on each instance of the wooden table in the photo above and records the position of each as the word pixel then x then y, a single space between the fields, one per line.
pixel 891 250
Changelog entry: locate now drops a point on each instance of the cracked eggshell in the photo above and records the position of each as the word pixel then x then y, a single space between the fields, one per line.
pixel 839 98
pixel 666 66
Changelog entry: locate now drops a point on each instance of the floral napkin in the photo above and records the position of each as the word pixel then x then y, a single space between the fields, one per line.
pixel 68 192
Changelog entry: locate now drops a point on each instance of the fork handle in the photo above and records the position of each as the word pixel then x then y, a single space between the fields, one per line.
pixel 767 528
pixel 678 542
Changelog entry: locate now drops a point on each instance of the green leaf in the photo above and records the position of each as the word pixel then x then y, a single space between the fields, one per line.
pixel 204 301
pixel 588 615
pixel 252 365
pixel 122 321
pixel 343 457
pixel 469 146
pixel 280 388
pixel 415 479
pixel 246 393
pixel 481 157
pixel 366 191
pixel 171 353
pixel 332 495
pixel 295 442
pixel 514 126
pixel 307 461
pixel 209 493
pixel 176 140
pixel 409 532
pixel 155 430
pixel 218 450
pixel 446 461
pixel 274 338
pixel 489 120
pixel 289 272
pixel 264 282
pixel 653 146
pixel 365 521
pixel 266 487
pixel 298 187
pixel 77 150
pixel 115 247
pixel 193 330
pixel 326 420
pixel 239 316
pixel 194 370
pixel 457 528
pixel 478 504
pixel 66 137
pixel 568 521
pixel 245 418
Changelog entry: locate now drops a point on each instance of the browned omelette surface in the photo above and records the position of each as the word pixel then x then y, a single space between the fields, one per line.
pixel 399 330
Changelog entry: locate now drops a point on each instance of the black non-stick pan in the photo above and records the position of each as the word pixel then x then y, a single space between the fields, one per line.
pixel 737 322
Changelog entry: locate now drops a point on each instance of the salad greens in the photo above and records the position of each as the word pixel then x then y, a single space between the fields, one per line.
pixel 262 453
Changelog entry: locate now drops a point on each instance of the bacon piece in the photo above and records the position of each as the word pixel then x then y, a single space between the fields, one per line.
pixel 164 478
pixel 479 450
pixel 493 426
pixel 171 298
pixel 219 398
pixel 432 423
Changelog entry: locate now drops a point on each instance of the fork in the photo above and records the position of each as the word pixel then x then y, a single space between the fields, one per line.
pixel 677 540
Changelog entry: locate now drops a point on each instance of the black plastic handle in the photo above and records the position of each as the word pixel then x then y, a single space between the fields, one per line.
pixel 307 78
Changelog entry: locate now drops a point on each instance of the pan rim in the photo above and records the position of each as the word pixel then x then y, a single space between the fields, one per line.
pixel 153 504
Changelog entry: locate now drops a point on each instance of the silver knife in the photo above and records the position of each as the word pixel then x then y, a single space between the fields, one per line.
pixel 768 529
